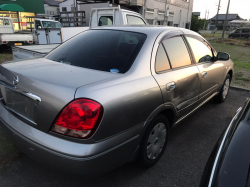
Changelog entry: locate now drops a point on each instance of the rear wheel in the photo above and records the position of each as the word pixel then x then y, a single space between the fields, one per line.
pixel 154 141
pixel 221 97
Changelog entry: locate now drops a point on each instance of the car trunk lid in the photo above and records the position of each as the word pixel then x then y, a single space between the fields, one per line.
pixel 43 88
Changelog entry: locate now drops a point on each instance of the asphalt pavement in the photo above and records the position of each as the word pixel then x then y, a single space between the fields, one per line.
pixel 181 165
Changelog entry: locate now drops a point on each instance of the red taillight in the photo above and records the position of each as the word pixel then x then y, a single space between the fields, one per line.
pixel 30 42
pixel 4 42
pixel 79 119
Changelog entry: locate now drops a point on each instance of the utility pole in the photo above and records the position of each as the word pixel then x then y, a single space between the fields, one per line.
pixel 166 12
pixel 208 15
pixel 189 23
pixel 225 23
pixel 217 14
pixel 144 8
pixel 205 20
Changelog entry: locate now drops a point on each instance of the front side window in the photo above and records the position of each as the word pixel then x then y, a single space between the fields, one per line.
pixel 6 22
pixel 238 31
pixel 161 61
pixel 105 20
pixel 202 52
pixel 134 20
pixel 104 50
pixel 177 52
pixel 38 24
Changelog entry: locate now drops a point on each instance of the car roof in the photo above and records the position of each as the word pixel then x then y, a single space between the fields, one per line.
pixel 146 29
pixel 39 19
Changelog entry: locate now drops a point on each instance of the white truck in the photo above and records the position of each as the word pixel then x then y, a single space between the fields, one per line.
pixel 98 17
pixel 46 31
pixel 8 35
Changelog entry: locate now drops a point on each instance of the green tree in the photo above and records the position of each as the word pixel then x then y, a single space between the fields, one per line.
pixel 197 23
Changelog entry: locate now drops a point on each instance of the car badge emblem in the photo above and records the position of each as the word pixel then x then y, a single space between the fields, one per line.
pixel 15 80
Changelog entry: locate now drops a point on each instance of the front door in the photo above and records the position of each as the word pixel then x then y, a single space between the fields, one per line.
pixel 237 33
pixel 177 77
pixel 211 72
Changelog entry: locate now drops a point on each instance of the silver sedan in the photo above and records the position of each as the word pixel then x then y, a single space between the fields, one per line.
pixel 110 95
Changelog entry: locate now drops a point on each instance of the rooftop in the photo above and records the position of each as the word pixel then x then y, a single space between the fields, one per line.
pixel 53 2
pixel 223 17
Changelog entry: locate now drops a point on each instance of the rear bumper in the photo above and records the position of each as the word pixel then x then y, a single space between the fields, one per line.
pixel 86 161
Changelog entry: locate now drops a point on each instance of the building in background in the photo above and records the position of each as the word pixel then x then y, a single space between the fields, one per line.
pixel 19 10
pixel 51 7
pixel 68 5
pixel 176 13
pixel 221 20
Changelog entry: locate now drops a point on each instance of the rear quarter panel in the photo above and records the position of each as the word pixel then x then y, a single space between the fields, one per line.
pixel 127 103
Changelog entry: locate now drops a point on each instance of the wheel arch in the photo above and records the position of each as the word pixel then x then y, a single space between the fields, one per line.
pixel 168 110
pixel 230 72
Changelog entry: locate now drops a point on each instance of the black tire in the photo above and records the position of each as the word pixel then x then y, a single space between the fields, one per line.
pixel 220 97
pixel 143 157
pixel 230 37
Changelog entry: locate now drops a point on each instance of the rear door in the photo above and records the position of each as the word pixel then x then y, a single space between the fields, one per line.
pixel 245 33
pixel 176 75
pixel 211 71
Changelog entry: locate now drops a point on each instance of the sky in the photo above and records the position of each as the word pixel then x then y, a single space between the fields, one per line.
pixel 241 7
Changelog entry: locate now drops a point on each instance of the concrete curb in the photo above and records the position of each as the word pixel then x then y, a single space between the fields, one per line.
pixel 239 88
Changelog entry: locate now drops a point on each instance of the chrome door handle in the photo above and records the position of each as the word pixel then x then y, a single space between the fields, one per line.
pixel 170 86
pixel 204 74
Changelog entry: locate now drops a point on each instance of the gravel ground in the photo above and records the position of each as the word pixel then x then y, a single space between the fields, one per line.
pixel 181 165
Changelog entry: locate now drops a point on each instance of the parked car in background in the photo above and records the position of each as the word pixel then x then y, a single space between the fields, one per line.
pixel 111 15
pixel 240 33
pixel 95 103
pixel 8 35
pixel 228 164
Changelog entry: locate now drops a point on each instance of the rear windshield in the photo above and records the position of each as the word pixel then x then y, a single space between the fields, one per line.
pixel 105 50
pixel 51 24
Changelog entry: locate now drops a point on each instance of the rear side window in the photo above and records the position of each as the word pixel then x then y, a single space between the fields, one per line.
pixel 105 50
pixel 161 61
pixel 105 20
pixel 202 52
pixel 134 20
pixel 245 30
pixel 177 52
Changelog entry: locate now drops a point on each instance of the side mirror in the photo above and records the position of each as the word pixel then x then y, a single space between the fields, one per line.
pixel 39 27
pixel 223 56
